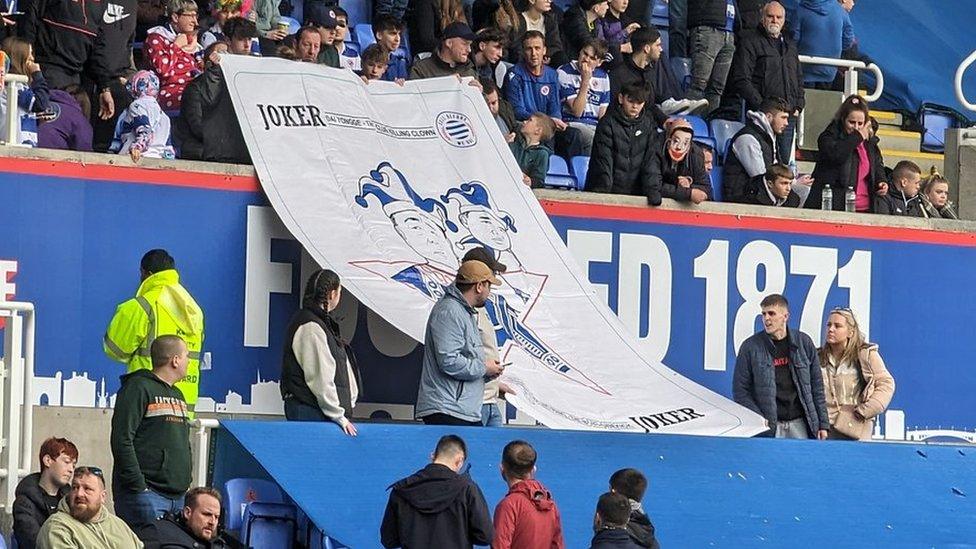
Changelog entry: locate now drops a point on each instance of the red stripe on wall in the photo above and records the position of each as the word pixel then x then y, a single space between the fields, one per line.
pixel 756 223
pixel 129 174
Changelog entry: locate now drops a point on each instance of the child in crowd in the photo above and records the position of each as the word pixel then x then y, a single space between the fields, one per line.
pixel 530 153
pixel 682 165
pixel 388 30
pixel 69 127
pixel 374 62
pixel 143 128
pixel 348 57
pixel 33 99
pixel 633 484
pixel 778 190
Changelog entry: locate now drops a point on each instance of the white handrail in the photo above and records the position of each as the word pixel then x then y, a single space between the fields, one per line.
pixel 958 81
pixel 17 424
pixel 201 428
pixel 13 114
pixel 850 78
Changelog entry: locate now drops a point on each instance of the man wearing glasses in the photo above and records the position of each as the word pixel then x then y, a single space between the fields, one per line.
pixel 82 519
pixel 438 506
pixel 174 52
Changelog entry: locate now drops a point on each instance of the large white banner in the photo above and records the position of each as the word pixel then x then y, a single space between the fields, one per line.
pixel 389 186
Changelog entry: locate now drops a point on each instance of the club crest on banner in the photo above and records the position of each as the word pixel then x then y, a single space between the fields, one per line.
pixel 456 129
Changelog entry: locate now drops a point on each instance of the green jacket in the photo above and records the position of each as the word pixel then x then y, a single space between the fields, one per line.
pixel 105 531
pixel 328 56
pixel 532 159
pixel 150 436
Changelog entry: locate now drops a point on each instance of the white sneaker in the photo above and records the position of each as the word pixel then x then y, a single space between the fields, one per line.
pixel 682 106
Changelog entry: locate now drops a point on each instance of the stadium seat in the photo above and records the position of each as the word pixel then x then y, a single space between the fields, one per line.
pixel 241 491
pixel 293 24
pixel 364 35
pixel 659 14
pixel 681 66
pixel 559 176
pixel 563 4
pixel 936 121
pixel 359 11
pixel 716 177
pixel 698 125
pixel 268 525
pixel 579 165
pixel 723 131
pixel 665 37
pixel 353 47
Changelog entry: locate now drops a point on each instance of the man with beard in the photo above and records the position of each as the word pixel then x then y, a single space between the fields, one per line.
pixel 82 519
pixel 197 527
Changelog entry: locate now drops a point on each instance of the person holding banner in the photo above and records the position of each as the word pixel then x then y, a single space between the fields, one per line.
pixel 452 381
pixel 319 377
pixel 857 386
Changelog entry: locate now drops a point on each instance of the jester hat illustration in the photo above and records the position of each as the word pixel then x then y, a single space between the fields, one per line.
pixel 473 197
pixel 378 184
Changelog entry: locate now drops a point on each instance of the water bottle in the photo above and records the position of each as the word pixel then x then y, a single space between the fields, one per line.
pixel 849 199
pixel 827 202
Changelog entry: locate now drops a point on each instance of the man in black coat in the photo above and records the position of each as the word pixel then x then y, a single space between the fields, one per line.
pixel 38 495
pixel 195 528
pixel 903 198
pixel 437 506
pixel 623 159
pixel 766 64
pixel 610 523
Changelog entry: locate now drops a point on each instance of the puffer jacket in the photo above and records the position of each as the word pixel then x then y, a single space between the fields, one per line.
pixel 692 165
pixel 623 159
pixel 452 378
pixel 837 166
pixel 754 380
pixel 896 203
pixel 879 388
pixel 223 140
pixel 767 67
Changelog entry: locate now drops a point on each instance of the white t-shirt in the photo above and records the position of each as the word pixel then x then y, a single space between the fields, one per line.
pixel 530 25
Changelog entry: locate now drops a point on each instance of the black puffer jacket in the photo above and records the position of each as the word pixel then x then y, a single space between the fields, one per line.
pixel 624 157
pixel 222 137
pixel 706 13
pixel 692 165
pixel 767 67
pixel 31 508
pixel 896 203
pixel 837 166
pixel 171 532
pixel 641 529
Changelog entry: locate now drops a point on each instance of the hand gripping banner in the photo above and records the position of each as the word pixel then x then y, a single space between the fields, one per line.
pixel 390 185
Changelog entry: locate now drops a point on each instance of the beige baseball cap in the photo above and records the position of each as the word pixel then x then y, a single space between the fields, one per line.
pixel 474 271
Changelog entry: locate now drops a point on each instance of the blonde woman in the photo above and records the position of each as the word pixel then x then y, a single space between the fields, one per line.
pixel 857 386
pixel 935 197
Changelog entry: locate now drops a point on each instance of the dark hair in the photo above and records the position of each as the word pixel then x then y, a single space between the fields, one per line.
pixel 773 300
pixel 305 30
pixel 614 509
pixel 237 28
pixel 488 86
pixel 903 168
pixel 489 34
pixel 164 348
pixel 337 10
pixel 635 91
pixel 599 46
pixel 776 171
pixel 588 4
pixel 629 482
pixel 874 124
pixel 157 260
pixel 644 36
pixel 854 103
pixel 772 105
pixel 450 445
pixel 210 49
pixel 374 54
pixel 463 286
pixel 54 447
pixel 190 500
pixel 529 35
pixel 386 22
pixel 317 289
pixel 519 457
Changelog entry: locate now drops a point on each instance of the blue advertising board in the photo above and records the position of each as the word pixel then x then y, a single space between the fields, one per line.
pixel 688 283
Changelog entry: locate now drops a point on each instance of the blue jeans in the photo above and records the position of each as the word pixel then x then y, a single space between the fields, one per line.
pixel 141 508
pixel 711 57
pixel 491 416
pixel 297 411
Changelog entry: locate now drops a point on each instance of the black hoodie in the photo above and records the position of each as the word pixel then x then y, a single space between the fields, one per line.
pixel 436 507
pixel 640 529
pixel 32 507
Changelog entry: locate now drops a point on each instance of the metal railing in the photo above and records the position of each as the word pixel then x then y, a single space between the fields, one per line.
pixel 201 435
pixel 16 398
pixel 850 84
pixel 12 121
pixel 957 82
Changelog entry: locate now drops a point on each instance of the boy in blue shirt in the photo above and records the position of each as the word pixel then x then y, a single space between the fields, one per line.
pixel 387 30
pixel 585 90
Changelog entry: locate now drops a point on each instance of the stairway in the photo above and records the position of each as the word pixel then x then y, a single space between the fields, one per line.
pixel 897 145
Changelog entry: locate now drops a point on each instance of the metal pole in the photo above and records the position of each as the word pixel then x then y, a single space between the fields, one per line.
pixel 13 114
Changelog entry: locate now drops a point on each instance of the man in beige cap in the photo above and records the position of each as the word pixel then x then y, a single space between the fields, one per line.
pixel 452 381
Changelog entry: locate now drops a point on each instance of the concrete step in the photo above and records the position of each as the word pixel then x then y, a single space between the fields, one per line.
pixel 888 118
pixel 899 140
pixel 923 159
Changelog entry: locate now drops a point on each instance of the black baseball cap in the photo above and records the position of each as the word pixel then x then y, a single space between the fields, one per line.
pixel 458 30
pixel 323 17
pixel 483 255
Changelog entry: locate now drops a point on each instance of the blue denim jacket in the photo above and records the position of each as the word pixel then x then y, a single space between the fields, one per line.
pixel 452 380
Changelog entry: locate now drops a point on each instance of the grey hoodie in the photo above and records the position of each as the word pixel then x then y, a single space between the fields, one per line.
pixel 747 148
pixel 452 380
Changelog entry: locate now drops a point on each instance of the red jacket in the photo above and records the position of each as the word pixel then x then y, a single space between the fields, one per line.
pixel 528 518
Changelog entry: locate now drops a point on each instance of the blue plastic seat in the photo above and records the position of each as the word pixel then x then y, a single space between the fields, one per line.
pixel 936 122
pixel 682 71
pixel 659 14
pixel 268 525
pixel 723 131
pixel 558 175
pixel 716 177
pixel 364 35
pixel 665 39
pixel 580 165
pixel 239 492
pixel 353 47
pixel 698 125
pixel 359 11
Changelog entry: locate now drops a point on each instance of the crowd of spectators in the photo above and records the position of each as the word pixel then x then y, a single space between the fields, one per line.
pixel 570 65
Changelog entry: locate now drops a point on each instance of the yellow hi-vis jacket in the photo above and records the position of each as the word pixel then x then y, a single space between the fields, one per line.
pixel 161 307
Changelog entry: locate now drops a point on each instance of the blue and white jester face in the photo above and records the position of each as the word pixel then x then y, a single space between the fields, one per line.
pixel 487 229
pixel 425 237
